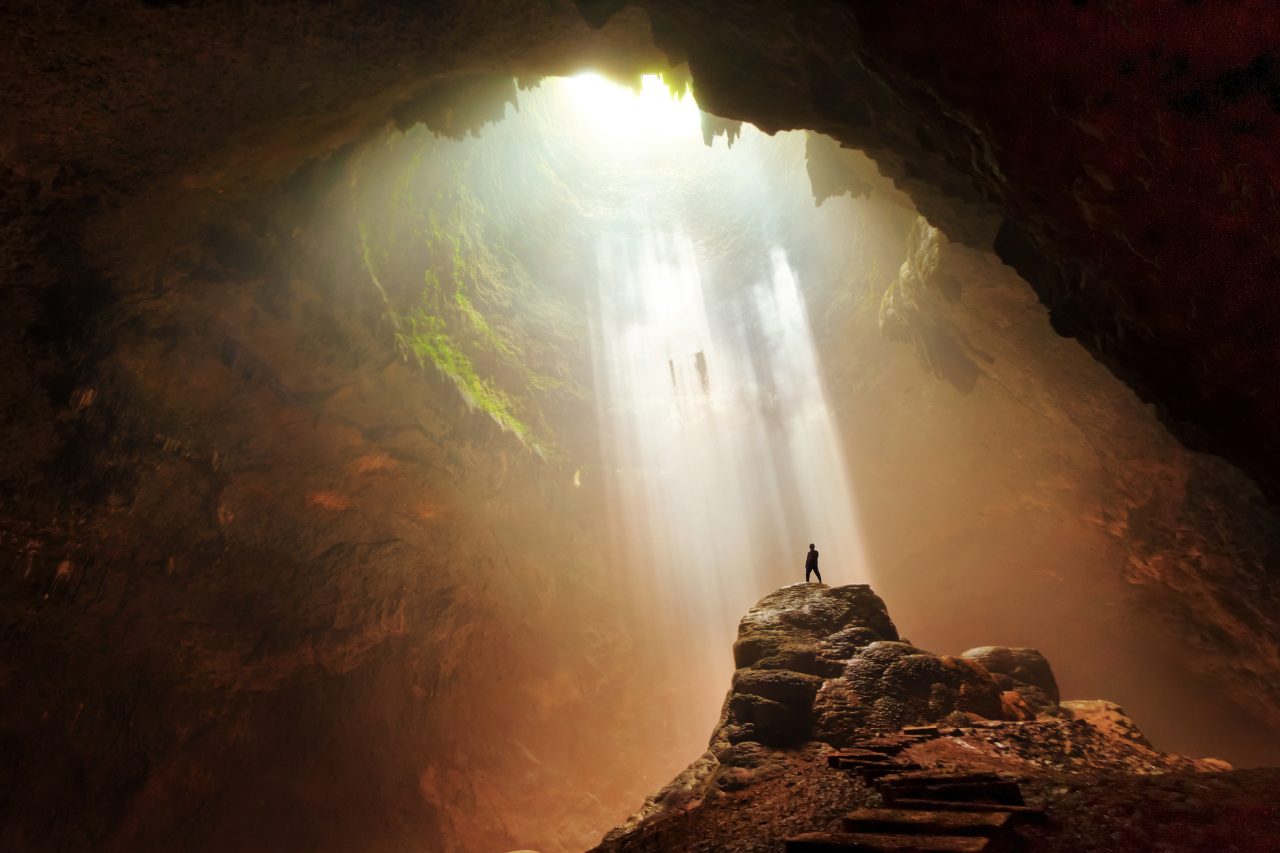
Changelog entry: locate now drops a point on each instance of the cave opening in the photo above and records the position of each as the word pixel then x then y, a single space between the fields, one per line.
pixel 624 286
pixel 618 287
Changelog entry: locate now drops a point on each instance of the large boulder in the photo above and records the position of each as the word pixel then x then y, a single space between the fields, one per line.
pixel 1107 717
pixel 887 685
pixel 1022 670
pixel 824 666
pixel 787 644
pixel 820 663
pixel 796 622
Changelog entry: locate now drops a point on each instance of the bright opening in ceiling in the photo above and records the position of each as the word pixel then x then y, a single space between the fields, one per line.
pixel 634 304
pixel 629 118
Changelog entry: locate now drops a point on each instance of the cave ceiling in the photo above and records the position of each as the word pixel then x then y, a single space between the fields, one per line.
pixel 1128 151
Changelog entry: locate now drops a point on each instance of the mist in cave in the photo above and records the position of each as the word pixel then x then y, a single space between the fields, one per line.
pixel 663 320
pixel 720 455
pixel 715 453
pixel 719 443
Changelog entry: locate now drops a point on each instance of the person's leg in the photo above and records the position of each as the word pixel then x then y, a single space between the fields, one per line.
pixel 818 574
pixel 807 572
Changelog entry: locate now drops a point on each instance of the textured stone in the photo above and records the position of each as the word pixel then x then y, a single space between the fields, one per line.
pixel 926 822
pixel 939 781
pixel 902 685
pixel 784 686
pixel 1026 667
pixel 1118 241
pixel 1107 717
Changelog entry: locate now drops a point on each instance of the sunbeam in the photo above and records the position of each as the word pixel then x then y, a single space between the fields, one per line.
pixel 722 457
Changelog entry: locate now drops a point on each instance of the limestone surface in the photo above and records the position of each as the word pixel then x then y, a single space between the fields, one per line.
pixel 928 724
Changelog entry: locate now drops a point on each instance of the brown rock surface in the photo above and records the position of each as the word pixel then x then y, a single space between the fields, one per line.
pixel 1077 768
pixel 1027 671
pixel 1127 175
pixel 870 682
pixel 1123 556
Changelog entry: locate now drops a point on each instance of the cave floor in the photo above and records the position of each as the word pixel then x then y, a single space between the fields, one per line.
pixel 1087 809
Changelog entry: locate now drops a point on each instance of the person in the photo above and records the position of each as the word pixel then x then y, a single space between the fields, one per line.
pixel 811 564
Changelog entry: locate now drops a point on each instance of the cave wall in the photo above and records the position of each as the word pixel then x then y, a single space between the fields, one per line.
pixel 1003 471
pixel 312 568
pixel 249 538
pixel 1130 148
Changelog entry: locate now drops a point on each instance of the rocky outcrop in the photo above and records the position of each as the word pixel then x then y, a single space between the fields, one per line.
pixel 822 667
pixel 1080 481
pixel 787 645
pixel 1107 717
pixel 1136 179
pixel 1024 671
pixel 885 686
pixel 825 664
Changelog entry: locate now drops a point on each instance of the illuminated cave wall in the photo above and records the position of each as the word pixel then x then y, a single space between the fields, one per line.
pixel 346 540
pixel 1011 488
pixel 320 601
pixel 273 584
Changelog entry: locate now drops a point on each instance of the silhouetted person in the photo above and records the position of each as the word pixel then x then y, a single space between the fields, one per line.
pixel 811 564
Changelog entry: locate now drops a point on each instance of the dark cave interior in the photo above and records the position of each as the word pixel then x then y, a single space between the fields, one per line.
pixel 332 502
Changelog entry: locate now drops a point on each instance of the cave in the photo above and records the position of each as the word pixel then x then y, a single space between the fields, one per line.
pixel 418 415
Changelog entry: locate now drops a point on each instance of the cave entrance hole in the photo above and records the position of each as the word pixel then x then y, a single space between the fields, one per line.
pixel 625 293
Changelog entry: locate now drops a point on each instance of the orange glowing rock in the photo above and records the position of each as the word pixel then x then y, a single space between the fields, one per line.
pixel 328 500
pixel 374 463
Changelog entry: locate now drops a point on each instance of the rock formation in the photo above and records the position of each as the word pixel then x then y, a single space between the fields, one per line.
pixel 821 669
pixel 1127 176
pixel 1023 671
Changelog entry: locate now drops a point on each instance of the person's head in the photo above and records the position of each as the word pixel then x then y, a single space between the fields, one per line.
pixel 810 546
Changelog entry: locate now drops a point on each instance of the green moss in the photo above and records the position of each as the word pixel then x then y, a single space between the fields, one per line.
pixel 425 336
pixel 366 255
pixel 460 299
pixel 480 325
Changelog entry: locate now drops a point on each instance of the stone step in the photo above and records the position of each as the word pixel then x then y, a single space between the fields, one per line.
pixel 866 842
pixel 1029 814
pixel 887 745
pixel 874 769
pixel 868 774
pixel 1006 792
pixel 922 822
pixel 893 764
pixel 834 759
pixel 942 774
pixel 859 752
pixel 921 731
